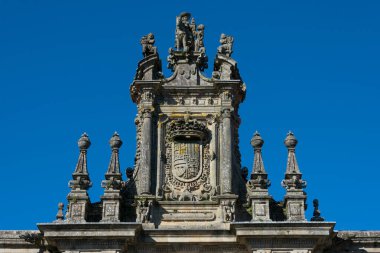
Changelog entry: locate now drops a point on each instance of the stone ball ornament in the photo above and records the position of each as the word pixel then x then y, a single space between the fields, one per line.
pixel 115 141
pixel 257 141
pixel 290 140
pixel 84 142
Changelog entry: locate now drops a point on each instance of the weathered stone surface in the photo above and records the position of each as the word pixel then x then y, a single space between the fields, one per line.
pixel 187 191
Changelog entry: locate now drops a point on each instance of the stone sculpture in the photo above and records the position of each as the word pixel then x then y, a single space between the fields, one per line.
pixel 226 43
pixel 184 39
pixel 316 212
pixel 187 191
pixel 147 43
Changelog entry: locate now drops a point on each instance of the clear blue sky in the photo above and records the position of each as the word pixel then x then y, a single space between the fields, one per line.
pixel 310 66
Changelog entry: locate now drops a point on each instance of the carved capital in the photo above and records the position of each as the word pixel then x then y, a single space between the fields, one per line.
pixel 147 95
pixel 226 113
pixel 162 118
pixel 211 119
pixel 147 113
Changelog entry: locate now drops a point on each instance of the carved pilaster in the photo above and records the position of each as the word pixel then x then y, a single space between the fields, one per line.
pixel 162 119
pixel 112 184
pixel 144 169
pixel 295 197
pixel 226 152
pixel 213 126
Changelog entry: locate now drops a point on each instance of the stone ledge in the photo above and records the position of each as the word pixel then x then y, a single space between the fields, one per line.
pixel 10 240
pixel 283 229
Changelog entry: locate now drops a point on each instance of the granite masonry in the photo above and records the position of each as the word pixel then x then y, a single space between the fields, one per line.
pixel 187 191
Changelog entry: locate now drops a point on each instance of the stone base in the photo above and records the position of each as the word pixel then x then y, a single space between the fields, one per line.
pixel 295 207
pixel 260 208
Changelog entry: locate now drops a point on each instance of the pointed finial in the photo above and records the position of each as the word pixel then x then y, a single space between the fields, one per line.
pixel 259 177
pixel 115 141
pixel 84 142
pixel 290 140
pixel 257 141
pixel 81 179
pixel 59 215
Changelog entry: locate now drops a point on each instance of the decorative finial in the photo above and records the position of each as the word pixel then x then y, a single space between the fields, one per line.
pixel 113 175
pixel 259 177
pixel 81 179
pixel 257 141
pixel 293 174
pixel 84 142
pixel 115 141
pixel 290 140
pixel 60 215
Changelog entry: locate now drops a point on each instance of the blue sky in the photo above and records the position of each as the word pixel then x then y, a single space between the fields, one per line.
pixel 310 66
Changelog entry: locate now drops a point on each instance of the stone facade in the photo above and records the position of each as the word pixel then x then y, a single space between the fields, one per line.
pixel 187 191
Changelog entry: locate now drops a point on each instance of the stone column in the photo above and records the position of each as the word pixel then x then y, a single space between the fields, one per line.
pixel 211 120
pixel 226 153
pixel 144 173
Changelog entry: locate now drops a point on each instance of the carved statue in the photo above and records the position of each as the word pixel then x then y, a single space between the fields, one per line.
pixel 171 59
pixel 225 45
pixel 229 211
pixel 147 43
pixel 202 61
pixel 144 211
pixel 184 38
pixel 199 44
pixel 316 212
pixel 244 174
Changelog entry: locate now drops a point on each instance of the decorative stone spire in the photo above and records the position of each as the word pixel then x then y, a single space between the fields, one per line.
pixel 78 197
pixel 293 174
pixel 259 177
pixel 295 197
pixel 113 174
pixel 81 179
pixel 258 184
pixel 112 184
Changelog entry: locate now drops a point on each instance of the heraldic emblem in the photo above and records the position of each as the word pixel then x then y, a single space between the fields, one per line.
pixel 188 160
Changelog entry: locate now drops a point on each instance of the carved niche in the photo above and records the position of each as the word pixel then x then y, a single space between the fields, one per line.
pixel 187 168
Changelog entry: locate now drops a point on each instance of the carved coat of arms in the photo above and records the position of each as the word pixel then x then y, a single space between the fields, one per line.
pixel 187 169
pixel 187 164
